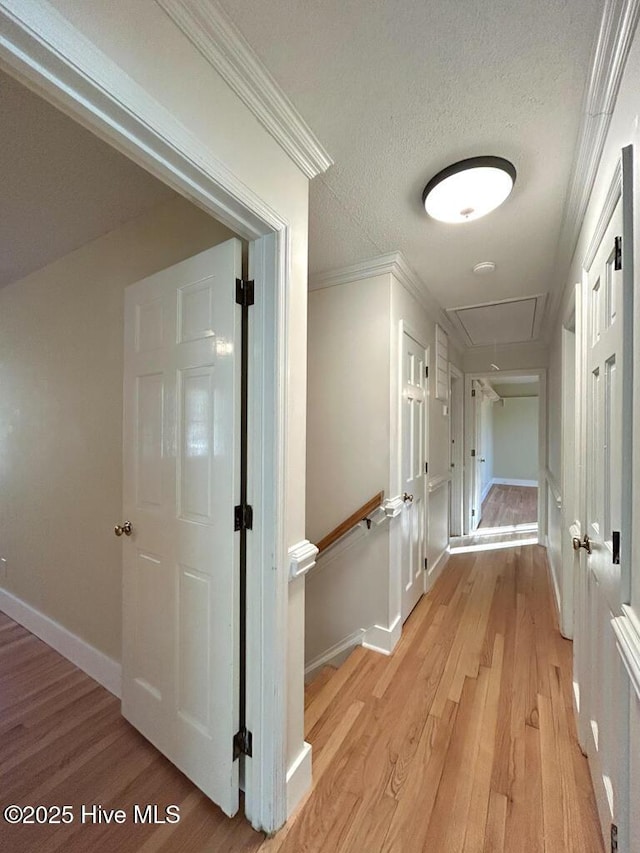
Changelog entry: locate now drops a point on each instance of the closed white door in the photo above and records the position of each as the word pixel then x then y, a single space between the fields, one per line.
pixel 599 590
pixel 181 482
pixel 414 459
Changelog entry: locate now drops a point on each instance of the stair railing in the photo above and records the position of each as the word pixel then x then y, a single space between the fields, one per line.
pixel 361 514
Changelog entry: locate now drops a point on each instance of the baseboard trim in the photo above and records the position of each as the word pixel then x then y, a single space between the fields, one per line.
pixel 383 640
pixel 434 572
pixel 509 481
pixel 331 654
pixel 95 663
pixel 554 583
pixel 486 490
pixel 299 778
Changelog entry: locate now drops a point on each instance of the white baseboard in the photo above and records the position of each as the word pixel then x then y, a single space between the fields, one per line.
pixel 299 778
pixel 333 654
pixel 554 581
pixel 95 663
pixel 435 570
pixel 506 481
pixel 383 640
pixel 486 490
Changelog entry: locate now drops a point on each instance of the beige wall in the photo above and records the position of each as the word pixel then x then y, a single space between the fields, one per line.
pixel 61 363
pixel 515 438
pixel 352 441
pixel 348 400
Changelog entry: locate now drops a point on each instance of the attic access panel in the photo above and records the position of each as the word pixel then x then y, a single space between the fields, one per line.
pixel 507 322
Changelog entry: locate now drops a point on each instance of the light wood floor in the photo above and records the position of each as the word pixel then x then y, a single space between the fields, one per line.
pixel 462 740
pixel 509 505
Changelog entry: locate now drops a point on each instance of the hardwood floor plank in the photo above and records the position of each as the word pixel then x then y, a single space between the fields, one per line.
pixel 462 741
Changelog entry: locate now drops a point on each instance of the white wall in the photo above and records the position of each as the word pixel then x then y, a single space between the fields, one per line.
pixel 515 438
pixel 348 400
pixel 352 453
pixel 61 357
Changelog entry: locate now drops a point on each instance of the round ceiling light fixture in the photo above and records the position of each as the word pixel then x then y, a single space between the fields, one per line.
pixel 484 268
pixel 469 189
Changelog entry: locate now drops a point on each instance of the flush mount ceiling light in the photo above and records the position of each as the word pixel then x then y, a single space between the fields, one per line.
pixel 484 268
pixel 469 189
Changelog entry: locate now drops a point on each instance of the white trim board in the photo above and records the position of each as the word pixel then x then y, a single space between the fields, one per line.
pixel 383 640
pixel 224 47
pixel 396 264
pixel 299 777
pixel 331 655
pixel 509 481
pixel 86 657
pixel 611 50
pixel 434 571
pixel 45 51
pixel 627 631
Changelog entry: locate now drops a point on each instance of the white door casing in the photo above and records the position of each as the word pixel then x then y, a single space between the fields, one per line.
pixel 181 482
pixel 600 589
pixel 414 457
pixel 474 461
pixel 456 450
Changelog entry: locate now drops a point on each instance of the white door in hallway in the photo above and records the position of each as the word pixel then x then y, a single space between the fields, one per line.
pixel 414 458
pixel 599 593
pixel 475 460
pixel 181 481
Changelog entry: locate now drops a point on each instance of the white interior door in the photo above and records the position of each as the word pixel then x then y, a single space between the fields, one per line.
pixel 181 482
pixel 414 458
pixel 599 590
pixel 476 455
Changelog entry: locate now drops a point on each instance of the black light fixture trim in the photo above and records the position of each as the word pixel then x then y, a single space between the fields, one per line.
pixel 470 163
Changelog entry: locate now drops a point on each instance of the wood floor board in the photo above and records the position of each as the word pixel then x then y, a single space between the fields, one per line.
pixel 462 741
pixel 509 505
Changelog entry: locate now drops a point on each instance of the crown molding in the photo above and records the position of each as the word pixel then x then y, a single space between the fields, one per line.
pixel 611 50
pixel 222 44
pixel 393 263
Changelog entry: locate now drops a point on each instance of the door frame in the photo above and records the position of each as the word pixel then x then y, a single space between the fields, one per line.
pixel 541 374
pixel 395 457
pixel 47 54
pixel 456 453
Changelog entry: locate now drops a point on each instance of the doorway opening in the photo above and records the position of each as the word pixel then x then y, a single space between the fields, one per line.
pixel 504 458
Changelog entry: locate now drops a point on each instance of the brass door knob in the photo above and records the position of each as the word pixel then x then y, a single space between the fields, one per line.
pixel 585 543
pixel 125 528
pixel 407 498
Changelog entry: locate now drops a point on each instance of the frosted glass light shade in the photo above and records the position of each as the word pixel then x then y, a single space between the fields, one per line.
pixel 469 189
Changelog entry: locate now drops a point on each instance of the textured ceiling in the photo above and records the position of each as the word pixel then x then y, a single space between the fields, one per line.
pixel 398 89
pixel 60 185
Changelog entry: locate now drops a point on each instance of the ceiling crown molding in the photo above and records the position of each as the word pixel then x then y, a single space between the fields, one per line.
pixel 222 44
pixel 396 264
pixel 611 50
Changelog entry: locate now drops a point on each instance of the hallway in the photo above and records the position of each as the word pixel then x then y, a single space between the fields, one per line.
pixel 509 505
pixel 462 740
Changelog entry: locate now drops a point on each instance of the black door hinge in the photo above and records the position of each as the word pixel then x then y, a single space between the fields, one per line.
pixel 426 370
pixel 473 453
pixel 425 564
pixel 242 743
pixel 473 392
pixel 243 517
pixel 473 512
pixel 615 543
pixel 617 254
pixel 426 467
pixel 614 838
pixel 245 291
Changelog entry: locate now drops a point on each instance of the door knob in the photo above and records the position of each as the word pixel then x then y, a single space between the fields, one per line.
pixel 585 543
pixel 407 498
pixel 125 528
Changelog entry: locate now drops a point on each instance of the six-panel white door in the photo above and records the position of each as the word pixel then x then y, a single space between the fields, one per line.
pixel 181 482
pixel 414 452
pixel 599 592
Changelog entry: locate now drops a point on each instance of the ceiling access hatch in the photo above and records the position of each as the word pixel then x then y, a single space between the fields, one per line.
pixel 509 321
